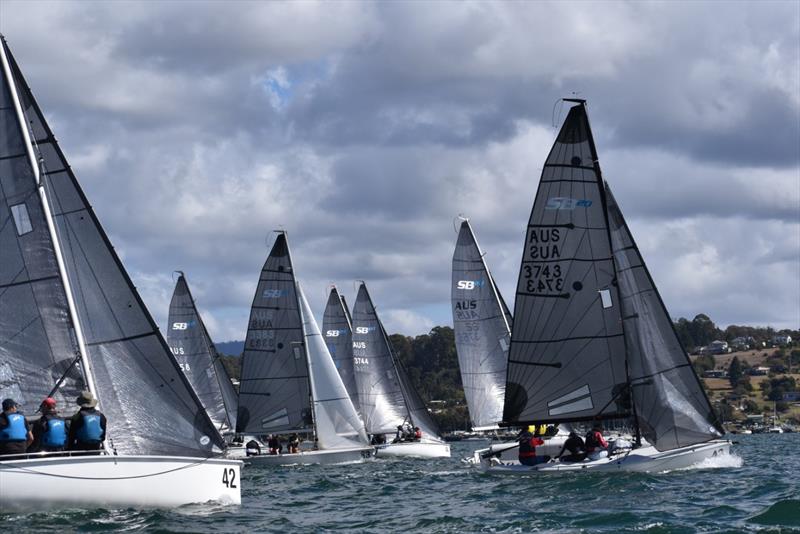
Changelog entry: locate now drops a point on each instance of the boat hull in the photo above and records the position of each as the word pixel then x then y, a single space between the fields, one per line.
pixel 415 449
pixel 644 459
pixel 508 451
pixel 118 481
pixel 324 457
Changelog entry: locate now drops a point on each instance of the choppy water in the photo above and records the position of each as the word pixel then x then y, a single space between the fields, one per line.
pixel 758 490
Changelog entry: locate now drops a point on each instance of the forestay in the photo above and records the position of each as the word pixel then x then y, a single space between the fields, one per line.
pixel 190 343
pixel 418 412
pixel 482 332
pixel 337 326
pixel 671 407
pixel 335 419
pixel 37 343
pixel 273 390
pixel 150 406
pixel 567 355
pixel 379 391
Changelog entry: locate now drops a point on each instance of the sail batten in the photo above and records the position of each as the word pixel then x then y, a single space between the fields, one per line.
pixel 481 324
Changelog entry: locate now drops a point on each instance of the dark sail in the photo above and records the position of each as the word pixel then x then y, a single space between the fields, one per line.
pixel 482 332
pixel 671 407
pixel 380 394
pixel 273 390
pixel 197 358
pixel 37 341
pixel 567 356
pixel 150 406
pixel 338 333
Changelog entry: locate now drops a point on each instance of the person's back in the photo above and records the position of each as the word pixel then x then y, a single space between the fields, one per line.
pixel 574 444
pixel 252 448
pixel 87 428
pixel 274 445
pixel 527 449
pixel 15 433
pixel 417 433
pixel 596 445
pixel 50 431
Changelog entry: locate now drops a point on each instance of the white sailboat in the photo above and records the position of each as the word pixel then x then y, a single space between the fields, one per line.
pixel 591 339
pixel 70 319
pixel 289 383
pixel 387 398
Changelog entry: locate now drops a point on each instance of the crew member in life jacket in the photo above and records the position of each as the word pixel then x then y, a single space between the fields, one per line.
pixel 87 428
pixel 15 433
pixel 596 445
pixel 417 433
pixel 50 431
pixel 575 445
pixel 528 441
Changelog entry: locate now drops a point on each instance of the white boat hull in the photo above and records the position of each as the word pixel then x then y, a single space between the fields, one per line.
pixel 118 481
pixel 415 448
pixel 644 459
pixel 508 451
pixel 324 457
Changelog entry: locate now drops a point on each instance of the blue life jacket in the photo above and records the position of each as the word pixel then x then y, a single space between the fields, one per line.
pixel 56 433
pixel 90 431
pixel 15 431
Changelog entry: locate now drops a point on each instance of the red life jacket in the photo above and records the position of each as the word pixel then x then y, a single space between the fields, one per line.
pixel 418 434
pixel 527 447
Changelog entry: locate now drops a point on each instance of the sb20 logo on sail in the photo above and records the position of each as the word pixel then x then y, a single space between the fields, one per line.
pixel 469 284
pixel 565 203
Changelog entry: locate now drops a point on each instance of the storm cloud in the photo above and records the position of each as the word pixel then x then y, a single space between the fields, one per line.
pixel 365 128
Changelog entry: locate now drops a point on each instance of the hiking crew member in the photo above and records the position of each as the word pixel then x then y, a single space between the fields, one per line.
pixel 15 433
pixel 596 445
pixel 87 428
pixel 417 433
pixel 527 447
pixel 274 444
pixel 50 431
pixel 574 444
pixel 252 448
pixel 294 444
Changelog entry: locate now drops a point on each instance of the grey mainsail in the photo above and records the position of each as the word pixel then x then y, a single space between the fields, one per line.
pixel 338 332
pixel 481 323
pixel 671 407
pixel 37 343
pixel 380 393
pixel 274 390
pixel 567 355
pixel 190 343
pixel 150 406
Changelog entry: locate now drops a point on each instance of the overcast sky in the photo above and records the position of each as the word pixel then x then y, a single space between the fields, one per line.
pixel 364 129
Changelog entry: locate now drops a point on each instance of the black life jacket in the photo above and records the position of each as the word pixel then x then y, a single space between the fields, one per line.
pixel 591 440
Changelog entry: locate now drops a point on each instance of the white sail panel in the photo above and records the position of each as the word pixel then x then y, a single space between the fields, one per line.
pixel 336 422
pixel 482 332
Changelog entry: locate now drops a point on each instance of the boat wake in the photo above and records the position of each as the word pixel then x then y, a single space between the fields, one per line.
pixel 717 462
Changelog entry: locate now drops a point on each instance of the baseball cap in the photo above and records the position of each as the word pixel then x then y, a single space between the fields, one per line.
pixel 9 403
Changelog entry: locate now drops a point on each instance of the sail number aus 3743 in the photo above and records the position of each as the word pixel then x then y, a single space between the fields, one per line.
pixel 544 243
pixel 543 277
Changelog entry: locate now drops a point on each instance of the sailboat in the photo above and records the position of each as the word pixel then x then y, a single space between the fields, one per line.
pixel 198 359
pixel 289 383
pixel 70 319
pixel 387 398
pixel 592 339
pixel 337 324
pixel 482 327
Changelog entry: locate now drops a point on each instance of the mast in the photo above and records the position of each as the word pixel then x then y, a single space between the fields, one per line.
pixel 87 373
pixel 596 164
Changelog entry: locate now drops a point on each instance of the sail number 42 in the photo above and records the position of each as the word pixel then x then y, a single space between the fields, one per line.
pixel 229 477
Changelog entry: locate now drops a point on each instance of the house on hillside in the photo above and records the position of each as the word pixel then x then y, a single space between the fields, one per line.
pixel 718 347
pixel 791 396
pixel 759 371
pixel 743 343
pixel 715 373
pixel 781 340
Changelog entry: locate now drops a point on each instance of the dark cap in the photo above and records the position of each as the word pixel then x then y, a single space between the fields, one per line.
pixel 9 403
pixel 86 399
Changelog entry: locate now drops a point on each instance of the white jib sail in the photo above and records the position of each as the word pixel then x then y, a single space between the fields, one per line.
pixel 336 420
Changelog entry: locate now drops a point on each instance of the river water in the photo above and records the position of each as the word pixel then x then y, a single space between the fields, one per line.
pixel 756 489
